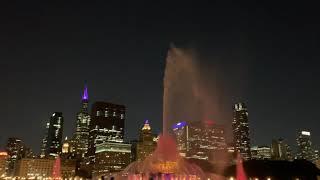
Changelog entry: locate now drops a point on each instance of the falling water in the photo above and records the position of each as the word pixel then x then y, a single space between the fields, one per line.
pixel 240 170
pixel 190 89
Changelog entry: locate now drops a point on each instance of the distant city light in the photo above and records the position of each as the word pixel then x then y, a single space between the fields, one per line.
pixel 3 153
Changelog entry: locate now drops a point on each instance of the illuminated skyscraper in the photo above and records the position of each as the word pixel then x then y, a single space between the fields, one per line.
pixel 81 136
pixel 240 128
pixel 106 125
pixel 52 142
pixel 305 150
pixel 14 149
pixel 181 132
pixel 147 143
pixel 201 140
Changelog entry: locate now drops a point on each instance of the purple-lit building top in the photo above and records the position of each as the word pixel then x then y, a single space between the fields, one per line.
pixel 179 125
pixel 85 96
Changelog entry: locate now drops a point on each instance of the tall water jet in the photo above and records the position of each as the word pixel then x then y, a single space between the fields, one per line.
pixel 190 89
pixel 56 171
pixel 241 175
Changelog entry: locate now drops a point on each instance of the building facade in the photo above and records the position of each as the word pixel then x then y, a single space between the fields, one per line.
pixel 34 168
pixel 240 126
pixel 201 140
pixel 280 150
pixel 146 144
pixel 81 136
pixel 111 157
pixel 68 168
pixel 106 125
pixel 4 156
pixel 305 150
pixel 52 142
pixel 261 152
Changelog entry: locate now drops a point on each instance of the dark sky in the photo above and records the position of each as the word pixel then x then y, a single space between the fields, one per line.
pixel 267 56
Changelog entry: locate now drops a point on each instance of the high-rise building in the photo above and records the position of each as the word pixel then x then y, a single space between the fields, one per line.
pixel 181 132
pixel 280 150
pixel 261 152
pixel 14 149
pixel 81 136
pixel 3 163
pixel 305 150
pixel 147 143
pixel 111 157
pixel 52 142
pixel 106 125
pixel 240 126
pixel 201 140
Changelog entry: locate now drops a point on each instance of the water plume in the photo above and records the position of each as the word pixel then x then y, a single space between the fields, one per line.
pixel 56 171
pixel 190 89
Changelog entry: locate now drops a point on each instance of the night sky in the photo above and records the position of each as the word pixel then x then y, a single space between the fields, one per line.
pixel 265 55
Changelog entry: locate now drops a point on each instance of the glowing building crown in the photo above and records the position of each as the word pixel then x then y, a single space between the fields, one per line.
pixel 146 125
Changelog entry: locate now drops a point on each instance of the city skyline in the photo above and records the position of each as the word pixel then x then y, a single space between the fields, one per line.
pixel 122 60
pixel 85 96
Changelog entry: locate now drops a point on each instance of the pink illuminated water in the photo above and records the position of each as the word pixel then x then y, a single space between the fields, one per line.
pixel 164 163
pixel 191 89
pixel 188 95
pixel 240 170
pixel 56 172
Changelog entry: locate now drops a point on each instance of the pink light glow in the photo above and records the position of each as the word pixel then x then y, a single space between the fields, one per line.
pixel 56 172
pixel 240 170
pixel 209 122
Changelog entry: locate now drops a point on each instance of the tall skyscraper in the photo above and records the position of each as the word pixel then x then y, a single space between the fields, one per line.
pixel 52 142
pixel 147 143
pixel 240 126
pixel 81 136
pixel 106 125
pixel 305 150
pixel 280 150
pixel 14 149
pixel 201 140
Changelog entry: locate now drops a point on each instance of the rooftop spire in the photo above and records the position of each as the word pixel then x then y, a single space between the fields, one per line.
pixel 85 93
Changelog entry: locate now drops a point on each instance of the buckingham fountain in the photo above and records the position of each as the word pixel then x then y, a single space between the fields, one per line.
pixel 181 89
